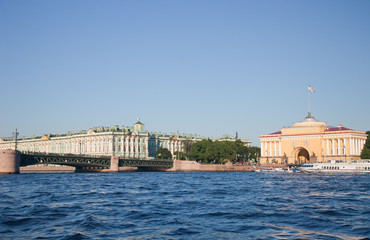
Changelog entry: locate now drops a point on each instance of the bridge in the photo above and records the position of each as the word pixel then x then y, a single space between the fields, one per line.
pixel 11 160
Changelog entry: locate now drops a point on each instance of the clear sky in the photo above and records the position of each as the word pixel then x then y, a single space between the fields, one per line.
pixel 207 67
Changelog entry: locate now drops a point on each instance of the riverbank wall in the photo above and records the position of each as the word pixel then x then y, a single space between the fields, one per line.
pixel 58 168
pixel 193 166
pixel 178 166
pixel 47 168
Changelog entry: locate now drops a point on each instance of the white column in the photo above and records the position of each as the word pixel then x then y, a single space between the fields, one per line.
pixel 136 146
pixel 122 146
pixel 322 147
pixel 127 145
pixel 125 149
pixel 362 145
pixel 111 145
pixel 266 149
pixel 279 148
pixel 344 146
pixel 262 152
pixel 356 147
pixel 275 148
pixel 327 147
pixel 339 149
pixel 270 153
pixel 332 147
pixel 133 146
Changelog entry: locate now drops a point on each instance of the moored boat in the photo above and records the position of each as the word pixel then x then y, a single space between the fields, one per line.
pixel 273 170
pixel 352 165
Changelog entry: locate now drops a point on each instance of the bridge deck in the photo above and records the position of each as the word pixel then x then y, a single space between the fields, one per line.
pixel 81 161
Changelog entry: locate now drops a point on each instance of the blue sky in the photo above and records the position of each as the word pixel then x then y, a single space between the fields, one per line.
pixel 207 67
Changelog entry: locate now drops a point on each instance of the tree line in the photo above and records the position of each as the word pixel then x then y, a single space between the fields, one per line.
pixel 365 154
pixel 208 151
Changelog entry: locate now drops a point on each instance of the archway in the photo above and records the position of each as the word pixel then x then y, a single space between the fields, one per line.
pixel 303 156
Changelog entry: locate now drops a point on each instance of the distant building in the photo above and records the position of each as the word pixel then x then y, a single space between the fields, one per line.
pixel 310 141
pixel 230 138
pixel 128 142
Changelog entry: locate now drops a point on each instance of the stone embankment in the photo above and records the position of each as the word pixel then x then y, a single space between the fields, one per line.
pixel 10 163
pixel 58 168
pixel 193 166
pixel 47 168
pixel 178 166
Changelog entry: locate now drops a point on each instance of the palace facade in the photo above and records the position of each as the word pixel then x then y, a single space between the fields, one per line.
pixel 309 141
pixel 127 142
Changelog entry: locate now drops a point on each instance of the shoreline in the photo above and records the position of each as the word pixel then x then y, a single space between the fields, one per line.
pixel 178 166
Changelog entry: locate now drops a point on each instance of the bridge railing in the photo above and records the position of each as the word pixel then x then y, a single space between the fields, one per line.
pixel 90 161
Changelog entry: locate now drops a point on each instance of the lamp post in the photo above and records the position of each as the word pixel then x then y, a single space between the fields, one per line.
pixel 15 138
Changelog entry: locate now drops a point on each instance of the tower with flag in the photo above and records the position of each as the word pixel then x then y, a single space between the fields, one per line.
pixel 310 90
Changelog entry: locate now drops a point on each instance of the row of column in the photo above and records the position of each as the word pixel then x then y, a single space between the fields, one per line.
pixel 125 146
pixel 134 147
pixel 174 146
pixel 271 149
pixel 343 146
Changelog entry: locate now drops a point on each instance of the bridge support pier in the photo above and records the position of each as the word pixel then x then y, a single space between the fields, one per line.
pixel 114 164
pixel 9 161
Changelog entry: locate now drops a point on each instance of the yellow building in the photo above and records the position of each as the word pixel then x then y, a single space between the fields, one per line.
pixel 310 141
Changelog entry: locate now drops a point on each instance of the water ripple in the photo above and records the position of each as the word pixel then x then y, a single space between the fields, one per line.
pixel 161 205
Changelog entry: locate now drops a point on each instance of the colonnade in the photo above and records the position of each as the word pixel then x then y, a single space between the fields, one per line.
pixel 127 146
pixel 271 149
pixel 331 147
pixel 172 145
pixel 343 146
pixel 119 145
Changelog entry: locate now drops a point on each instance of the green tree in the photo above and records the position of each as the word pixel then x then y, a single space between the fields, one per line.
pixel 255 152
pixel 199 149
pixel 163 153
pixel 187 146
pixel 365 154
pixel 180 155
pixel 207 151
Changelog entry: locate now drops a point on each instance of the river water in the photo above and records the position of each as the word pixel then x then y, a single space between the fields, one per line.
pixel 196 205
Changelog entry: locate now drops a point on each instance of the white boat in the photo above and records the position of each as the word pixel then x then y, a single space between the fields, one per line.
pixel 273 170
pixel 351 165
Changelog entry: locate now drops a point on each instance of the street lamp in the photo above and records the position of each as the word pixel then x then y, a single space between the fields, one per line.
pixel 15 138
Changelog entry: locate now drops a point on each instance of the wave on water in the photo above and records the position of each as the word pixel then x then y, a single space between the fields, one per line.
pixel 158 205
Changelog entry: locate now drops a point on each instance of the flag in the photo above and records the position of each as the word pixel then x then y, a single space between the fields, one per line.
pixel 310 89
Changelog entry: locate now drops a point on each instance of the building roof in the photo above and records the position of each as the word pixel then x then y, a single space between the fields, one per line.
pixel 138 122
pixel 339 128
pixel 310 121
pixel 310 126
pixel 275 133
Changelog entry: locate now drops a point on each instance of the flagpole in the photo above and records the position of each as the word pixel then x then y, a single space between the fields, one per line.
pixel 309 113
